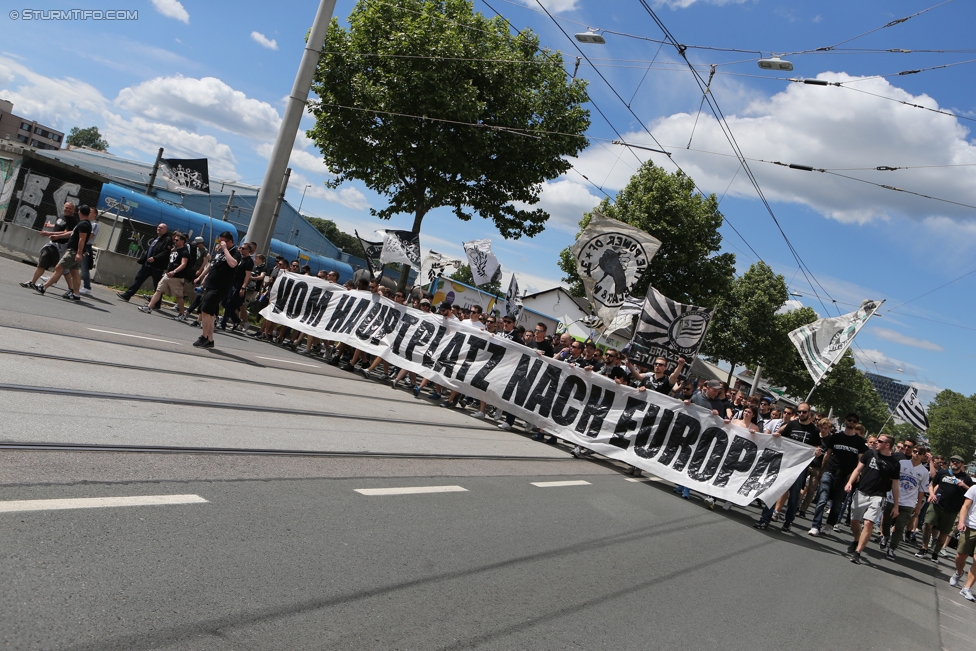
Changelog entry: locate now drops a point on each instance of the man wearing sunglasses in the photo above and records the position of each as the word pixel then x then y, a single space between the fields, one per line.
pixel 947 491
pixel 911 487
pixel 875 472
pixel 659 380
pixel 843 451
pixel 802 430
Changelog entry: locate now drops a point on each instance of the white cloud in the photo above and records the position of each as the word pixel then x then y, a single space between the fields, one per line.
pixel 875 361
pixel 905 340
pixel 264 41
pixel 565 201
pixel 684 4
pixel 172 9
pixel 60 103
pixel 143 135
pixel 823 127
pixel 183 101
pixel 557 6
pixel 349 196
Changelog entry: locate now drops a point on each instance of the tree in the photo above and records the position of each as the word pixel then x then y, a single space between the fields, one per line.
pixel 494 286
pixel 432 104
pixel 686 268
pixel 744 326
pixel 782 365
pixel 901 431
pixel 89 137
pixel 845 389
pixel 952 424
pixel 348 243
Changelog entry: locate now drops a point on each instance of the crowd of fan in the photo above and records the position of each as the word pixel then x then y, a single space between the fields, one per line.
pixel 865 482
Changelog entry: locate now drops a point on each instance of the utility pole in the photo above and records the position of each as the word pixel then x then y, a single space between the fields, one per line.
pixel 152 176
pixel 277 208
pixel 263 217
pixel 230 202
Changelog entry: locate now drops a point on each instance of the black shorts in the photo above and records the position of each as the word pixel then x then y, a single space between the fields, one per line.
pixel 48 257
pixel 210 303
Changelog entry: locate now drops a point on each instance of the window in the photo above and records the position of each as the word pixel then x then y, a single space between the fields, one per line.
pixel 34 143
pixel 25 127
pixel 21 137
pixel 56 137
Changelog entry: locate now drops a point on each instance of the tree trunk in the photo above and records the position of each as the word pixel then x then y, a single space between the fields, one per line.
pixel 405 268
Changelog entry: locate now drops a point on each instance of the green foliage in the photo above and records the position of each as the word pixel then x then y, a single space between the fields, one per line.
pixel 952 424
pixel 348 243
pixel 687 267
pixel 373 76
pixel 782 365
pixel 845 389
pixel 88 137
pixel 494 286
pixel 744 327
pixel 901 431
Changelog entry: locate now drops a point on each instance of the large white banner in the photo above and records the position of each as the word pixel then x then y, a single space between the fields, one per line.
pixel 681 443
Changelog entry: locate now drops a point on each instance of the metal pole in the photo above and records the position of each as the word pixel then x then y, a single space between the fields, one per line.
pixel 755 380
pixel 281 200
pixel 152 175
pixel 263 218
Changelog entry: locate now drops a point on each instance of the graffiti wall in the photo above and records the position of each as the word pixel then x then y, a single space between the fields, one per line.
pixel 40 190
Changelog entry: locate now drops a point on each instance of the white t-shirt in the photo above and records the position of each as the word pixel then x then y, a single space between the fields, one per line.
pixel 772 425
pixel 475 324
pixel 971 495
pixel 912 481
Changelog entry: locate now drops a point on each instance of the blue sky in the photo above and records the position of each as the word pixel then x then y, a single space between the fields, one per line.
pixel 210 78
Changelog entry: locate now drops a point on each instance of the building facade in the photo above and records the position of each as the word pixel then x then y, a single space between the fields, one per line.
pixel 25 131
pixel 890 389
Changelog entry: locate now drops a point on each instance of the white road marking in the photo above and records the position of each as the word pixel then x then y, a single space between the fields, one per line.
pixel 554 484
pixel 409 490
pixel 286 361
pixel 644 479
pixel 97 502
pixel 122 334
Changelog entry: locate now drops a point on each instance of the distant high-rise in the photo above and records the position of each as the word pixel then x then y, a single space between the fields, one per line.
pixel 890 389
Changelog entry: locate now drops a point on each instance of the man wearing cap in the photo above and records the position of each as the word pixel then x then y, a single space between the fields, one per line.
pixel 802 430
pixel 947 492
pixel 843 450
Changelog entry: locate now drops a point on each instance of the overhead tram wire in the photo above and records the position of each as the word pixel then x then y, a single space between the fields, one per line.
pixel 892 23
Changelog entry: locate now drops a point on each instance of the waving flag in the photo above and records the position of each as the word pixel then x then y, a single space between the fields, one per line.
pixel 823 342
pixel 401 246
pixel 513 300
pixel 484 264
pixel 372 251
pixel 911 410
pixel 437 265
pixel 669 329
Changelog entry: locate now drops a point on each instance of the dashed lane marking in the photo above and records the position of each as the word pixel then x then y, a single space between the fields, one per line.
pixel 288 361
pixel 122 334
pixel 13 506
pixel 556 484
pixel 643 479
pixel 409 490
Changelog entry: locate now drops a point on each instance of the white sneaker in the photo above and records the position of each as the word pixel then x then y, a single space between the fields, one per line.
pixel 814 531
pixel 954 579
pixel 478 414
pixel 710 501
pixel 968 594
pixel 504 426
pixel 42 280
pixel 84 292
pixel 727 505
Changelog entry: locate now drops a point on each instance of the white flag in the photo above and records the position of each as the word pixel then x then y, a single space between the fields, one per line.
pixel 401 246
pixel 823 342
pixel 911 410
pixel 513 300
pixel 623 324
pixel 484 264
pixel 611 258
pixel 437 265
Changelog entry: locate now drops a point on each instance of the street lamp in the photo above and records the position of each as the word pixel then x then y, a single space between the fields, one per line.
pixel 307 186
pixel 294 222
pixel 775 63
pixel 590 36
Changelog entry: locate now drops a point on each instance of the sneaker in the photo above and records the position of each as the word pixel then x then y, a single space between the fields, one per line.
pixel 393 383
pixel 538 436
pixel 434 396
pixel 954 579
pixel 710 501
pixel 856 558
pixel 935 558
pixel 577 451
pixel 201 340
pixel 787 527
pixel 777 516
pixel 686 494
pixel 39 289
pixel 180 317
pixel 122 296
pixel 44 279
pixel 890 554
pixel 84 292
pixel 727 505
pixel 71 296
pixel 504 426
pixel 145 309
pixel 922 553
pixel 967 593
pixel 761 525
pixel 802 514
pixel 478 414
pixel 814 531
pixel 852 548
pixel 207 344
pixel 883 543
pixel 365 374
pixel 416 391
pixel 28 285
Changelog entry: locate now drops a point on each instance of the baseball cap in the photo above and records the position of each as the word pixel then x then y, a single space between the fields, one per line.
pixel 956 457
pixel 198 240
pixel 424 301
pixel 713 384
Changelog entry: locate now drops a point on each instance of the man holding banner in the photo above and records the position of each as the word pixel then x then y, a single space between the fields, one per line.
pixel 802 430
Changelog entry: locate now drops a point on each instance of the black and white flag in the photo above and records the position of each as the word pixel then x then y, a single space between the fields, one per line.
pixel 373 252
pixel 513 300
pixel 190 173
pixel 824 341
pixel 911 410
pixel 668 329
pixel 437 265
pixel 611 258
pixel 484 265
pixel 402 247
pixel 623 324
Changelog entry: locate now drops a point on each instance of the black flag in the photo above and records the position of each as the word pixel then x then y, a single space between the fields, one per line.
pixel 190 173
pixel 372 252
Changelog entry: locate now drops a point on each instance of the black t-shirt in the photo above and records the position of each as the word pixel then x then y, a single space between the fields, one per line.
pixel 879 471
pixel 951 489
pixel 176 257
pixel 545 346
pixel 221 276
pixel 661 385
pixel 84 226
pixel 66 223
pixel 808 434
pixel 845 452
pixel 246 264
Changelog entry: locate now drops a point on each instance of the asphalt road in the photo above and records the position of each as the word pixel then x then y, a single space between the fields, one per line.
pixel 284 553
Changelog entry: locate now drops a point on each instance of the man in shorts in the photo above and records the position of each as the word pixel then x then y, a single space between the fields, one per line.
pixel 219 281
pixel 174 278
pixel 876 472
pixel 73 254
pixel 947 493
pixel 153 261
pixel 967 545
pixel 51 252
